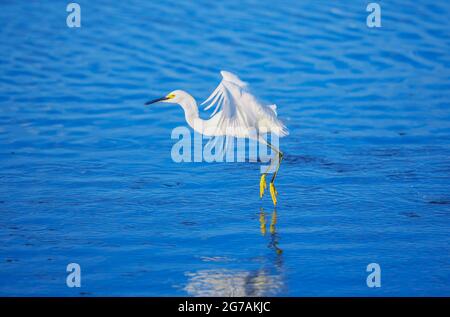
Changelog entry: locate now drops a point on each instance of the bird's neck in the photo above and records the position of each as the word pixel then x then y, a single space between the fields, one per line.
pixel 191 114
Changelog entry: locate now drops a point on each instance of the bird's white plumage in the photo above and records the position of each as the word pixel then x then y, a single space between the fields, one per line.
pixel 233 78
pixel 238 113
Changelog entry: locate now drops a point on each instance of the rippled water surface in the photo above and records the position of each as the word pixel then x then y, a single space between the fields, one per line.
pixel 86 174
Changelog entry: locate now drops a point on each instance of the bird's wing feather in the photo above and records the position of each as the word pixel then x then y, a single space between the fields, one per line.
pixel 238 113
pixel 274 108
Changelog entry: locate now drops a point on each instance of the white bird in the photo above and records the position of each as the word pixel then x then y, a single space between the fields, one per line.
pixel 237 114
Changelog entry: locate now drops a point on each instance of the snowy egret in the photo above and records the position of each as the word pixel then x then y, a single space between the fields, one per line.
pixel 237 114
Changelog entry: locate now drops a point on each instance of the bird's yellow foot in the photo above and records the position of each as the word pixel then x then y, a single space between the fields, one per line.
pixel 262 185
pixel 273 193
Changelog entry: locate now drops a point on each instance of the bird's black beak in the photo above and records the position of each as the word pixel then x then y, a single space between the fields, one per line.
pixel 156 100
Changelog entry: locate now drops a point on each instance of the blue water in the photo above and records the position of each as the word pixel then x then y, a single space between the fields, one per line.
pixel 86 174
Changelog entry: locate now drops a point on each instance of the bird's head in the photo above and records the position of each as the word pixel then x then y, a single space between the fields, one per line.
pixel 175 96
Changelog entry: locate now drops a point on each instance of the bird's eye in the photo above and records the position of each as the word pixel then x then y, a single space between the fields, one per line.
pixel 170 96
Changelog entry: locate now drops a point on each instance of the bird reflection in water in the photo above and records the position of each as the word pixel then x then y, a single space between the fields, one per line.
pixel 272 229
pixel 268 280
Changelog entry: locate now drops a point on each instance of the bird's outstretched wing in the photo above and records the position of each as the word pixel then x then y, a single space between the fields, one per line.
pixel 238 113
